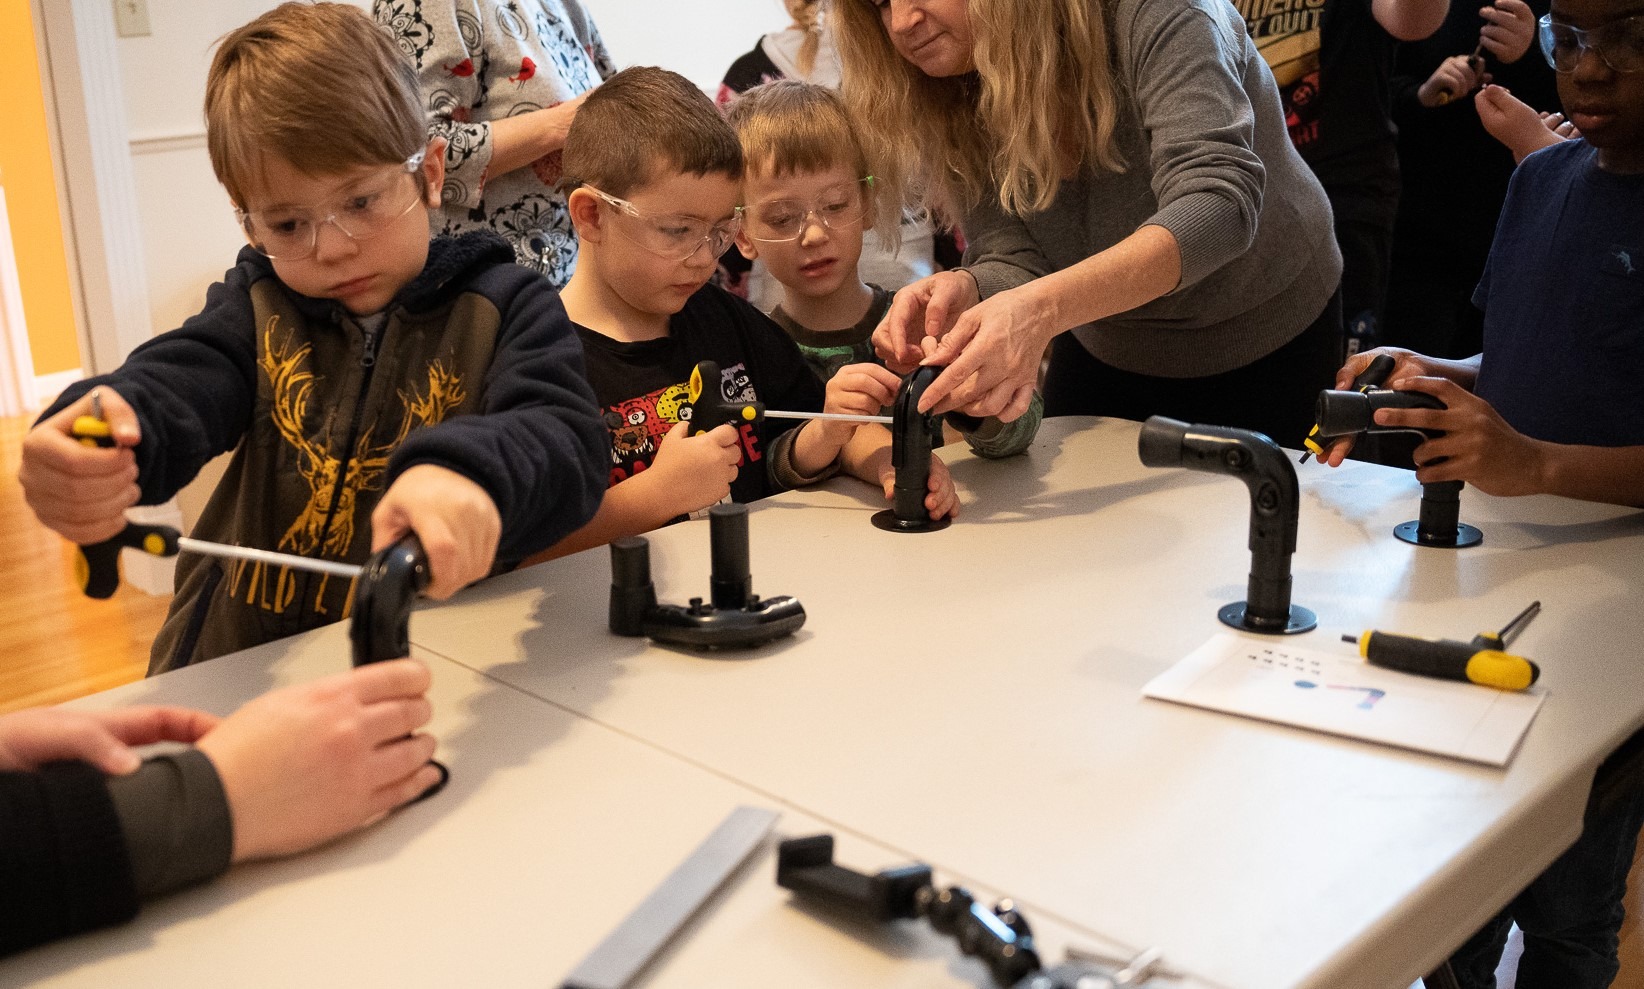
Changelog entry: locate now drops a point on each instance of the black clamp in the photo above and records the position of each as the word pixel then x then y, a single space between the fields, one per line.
pixel 914 435
pixel 733 617
pixel 999 937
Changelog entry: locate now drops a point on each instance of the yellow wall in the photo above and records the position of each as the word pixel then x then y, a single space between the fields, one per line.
pixel 31 197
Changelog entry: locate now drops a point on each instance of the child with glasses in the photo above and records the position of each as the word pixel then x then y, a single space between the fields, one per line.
pixel 809 199
pixel 656 172
pixel 368 381
pixel 1553 406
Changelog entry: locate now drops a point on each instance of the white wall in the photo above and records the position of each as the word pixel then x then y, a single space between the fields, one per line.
pixel 189 235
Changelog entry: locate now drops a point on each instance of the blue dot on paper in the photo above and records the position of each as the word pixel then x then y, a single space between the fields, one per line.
pixel 1306 684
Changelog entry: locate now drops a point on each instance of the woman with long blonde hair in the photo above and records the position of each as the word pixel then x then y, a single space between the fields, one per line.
pixel 1121 169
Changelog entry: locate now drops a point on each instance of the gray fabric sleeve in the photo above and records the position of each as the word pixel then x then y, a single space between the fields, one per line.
pixel 782 473
pixel 1000 253
pixel 176 821
pixel 995 439
pixel 1184 69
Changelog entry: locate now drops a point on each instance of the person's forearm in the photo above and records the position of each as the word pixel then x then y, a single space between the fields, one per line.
pixel 1610 474
pixel 867 455
pixel 1135 271
pixel 816 446
pixel 1409 20
pixel 1463 372
pixel 519 140
pixel 629 508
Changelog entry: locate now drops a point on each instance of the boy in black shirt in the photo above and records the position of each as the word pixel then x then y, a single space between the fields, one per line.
pixel 657 172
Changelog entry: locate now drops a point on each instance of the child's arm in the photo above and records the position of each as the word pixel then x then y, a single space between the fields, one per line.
pixel 538 448
pixel 1480 448
pixel 1517 125
pixel 867 457
pixel 455 520
pixel 178 401
pixel 689 474
pixel 856 389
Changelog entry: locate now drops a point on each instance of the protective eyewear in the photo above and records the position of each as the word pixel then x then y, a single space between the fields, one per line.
pixel 670 235
pixel 1620 43
pixel 292 233
pixel 778 220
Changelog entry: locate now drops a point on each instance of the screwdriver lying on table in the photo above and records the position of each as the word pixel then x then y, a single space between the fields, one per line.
pixel 1484 660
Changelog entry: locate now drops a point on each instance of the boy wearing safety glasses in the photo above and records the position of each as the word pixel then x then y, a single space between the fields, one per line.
pixel 370 382
pixel 655 171
pixel 1553 406
pixel 809 199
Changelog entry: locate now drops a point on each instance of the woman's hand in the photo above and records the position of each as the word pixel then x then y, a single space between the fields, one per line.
pixel 924 310
pixel 992 357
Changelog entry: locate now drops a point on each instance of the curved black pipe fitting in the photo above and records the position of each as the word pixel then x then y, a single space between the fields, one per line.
pixel 914 435
pixel 1275 500
pixel 387 586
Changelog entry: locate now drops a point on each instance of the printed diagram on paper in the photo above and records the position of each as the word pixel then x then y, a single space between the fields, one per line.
pixel 1342 695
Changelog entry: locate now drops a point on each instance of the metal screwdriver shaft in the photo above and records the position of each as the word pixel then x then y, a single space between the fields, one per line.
pixel 266 556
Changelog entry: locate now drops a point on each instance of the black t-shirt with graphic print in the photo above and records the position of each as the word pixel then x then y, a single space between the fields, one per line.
pixel 641 387
pixel 1333 63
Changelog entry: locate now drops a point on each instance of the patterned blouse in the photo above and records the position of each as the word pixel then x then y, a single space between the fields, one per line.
pixel 482 60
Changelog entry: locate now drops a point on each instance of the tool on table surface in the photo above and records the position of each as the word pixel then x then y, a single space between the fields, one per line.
pixel 1351 413
pixel 616 961
pixel 1000 938
pixel 1484 660
pixel 1275 512
pixel 1373 376
pixel 734 616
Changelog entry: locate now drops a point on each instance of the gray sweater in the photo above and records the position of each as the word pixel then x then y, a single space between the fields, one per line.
pixel 1207 157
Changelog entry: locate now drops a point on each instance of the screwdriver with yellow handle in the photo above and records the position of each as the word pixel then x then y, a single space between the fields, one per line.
pixel 97 567
pixel 1484 660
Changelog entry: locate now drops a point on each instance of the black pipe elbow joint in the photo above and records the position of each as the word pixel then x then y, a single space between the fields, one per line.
pixel 1275 500
pixel 914 435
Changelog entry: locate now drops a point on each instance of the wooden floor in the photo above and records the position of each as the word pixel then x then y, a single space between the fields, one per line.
pixel 57 645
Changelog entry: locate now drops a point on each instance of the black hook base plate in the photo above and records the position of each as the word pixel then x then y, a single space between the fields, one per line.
pixel 1301 620
pixel 1466 535
pixel 888 521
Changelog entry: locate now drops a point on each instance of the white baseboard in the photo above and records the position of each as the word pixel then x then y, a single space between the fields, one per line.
pixel 48 386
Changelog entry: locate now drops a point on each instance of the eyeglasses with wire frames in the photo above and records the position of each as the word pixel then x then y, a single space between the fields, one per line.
pixel 672 236
pixel 292 233
pixel 1620 43
pixel 775 221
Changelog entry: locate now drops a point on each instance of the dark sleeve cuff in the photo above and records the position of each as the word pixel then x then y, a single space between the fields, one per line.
pixel 176 821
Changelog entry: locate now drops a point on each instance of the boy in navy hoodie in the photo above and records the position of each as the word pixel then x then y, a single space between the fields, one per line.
pixel 370 382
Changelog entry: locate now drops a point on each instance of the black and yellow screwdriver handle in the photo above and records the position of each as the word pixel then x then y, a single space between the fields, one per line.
pixel 709 408
pixel 1448 659
pixel 97 567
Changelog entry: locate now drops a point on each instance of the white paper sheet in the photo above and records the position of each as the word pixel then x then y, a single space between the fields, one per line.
pixel 1342 695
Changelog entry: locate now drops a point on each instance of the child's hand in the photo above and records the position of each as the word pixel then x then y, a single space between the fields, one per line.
pixel 1478 446
pixel 454 518
pixel 1455 77
pixel 692 472
pixel 1509 29
pixel 943 499
pixel 82 491
pixel 856 389
pixel 1406 364
pixel 1513 122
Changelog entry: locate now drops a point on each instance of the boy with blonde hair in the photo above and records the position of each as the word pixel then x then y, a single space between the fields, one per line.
pixel 370 382
pixel 808 192
pixel 655 171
